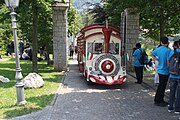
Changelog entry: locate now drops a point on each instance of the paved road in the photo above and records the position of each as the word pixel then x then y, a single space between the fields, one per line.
pixel 78 101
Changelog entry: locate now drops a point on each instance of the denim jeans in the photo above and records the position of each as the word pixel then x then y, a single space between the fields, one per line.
pixel 174 94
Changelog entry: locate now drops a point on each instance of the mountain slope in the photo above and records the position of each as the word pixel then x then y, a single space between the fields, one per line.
pixel 80 4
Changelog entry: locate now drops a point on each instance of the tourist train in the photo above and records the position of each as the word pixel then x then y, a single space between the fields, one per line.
pixel 101 54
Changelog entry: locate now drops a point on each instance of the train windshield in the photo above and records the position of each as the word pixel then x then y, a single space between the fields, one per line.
pixel 114 48
pixel 98 48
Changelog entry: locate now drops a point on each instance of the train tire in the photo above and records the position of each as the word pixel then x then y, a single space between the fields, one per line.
pixel 89 82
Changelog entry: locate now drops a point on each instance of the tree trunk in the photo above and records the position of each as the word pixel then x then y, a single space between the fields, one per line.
pixel 48 60
pixel 162 21
pixel 34 36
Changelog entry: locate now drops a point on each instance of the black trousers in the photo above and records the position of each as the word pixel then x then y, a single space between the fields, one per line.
pixel 139 74
pixel 159 97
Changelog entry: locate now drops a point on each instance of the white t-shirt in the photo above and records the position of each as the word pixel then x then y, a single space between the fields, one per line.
pixel 25 55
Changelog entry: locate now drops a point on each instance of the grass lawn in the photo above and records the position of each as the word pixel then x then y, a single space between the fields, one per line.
pixel 36 98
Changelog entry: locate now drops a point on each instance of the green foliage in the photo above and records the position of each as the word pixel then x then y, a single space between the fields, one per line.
pixel 24 23
pixel 36 98
pixel 74 22
pixel 87 18
pixel 98 13
pixel 158 17
pixel 5 27
pixel 44 10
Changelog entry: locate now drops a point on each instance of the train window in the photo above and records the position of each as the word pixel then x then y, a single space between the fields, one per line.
pixel 114 48
pixel 90 47
pixel 98 48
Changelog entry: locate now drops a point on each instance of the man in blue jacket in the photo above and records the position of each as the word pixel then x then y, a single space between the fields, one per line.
pixel 161 55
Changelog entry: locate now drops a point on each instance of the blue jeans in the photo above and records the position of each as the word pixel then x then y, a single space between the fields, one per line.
pixel 174 94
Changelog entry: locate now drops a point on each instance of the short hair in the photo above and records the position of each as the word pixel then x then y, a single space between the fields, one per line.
pixel 176 43
pixel 164 40
pixel 138 45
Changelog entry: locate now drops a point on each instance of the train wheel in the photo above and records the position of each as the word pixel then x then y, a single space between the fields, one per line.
pixel 89 82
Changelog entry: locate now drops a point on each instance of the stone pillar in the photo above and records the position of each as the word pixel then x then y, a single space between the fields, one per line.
pixel 60 29
pixel 129 33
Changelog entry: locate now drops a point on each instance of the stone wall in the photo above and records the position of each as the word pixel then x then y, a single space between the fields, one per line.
pixel 129 33
pixel 60 29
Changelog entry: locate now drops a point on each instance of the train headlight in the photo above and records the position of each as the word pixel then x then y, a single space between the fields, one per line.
pixel 92 79
pixel 90 68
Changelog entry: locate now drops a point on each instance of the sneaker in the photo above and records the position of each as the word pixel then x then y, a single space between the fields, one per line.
pixel 170 111
pixel 176 112
pixel 137 82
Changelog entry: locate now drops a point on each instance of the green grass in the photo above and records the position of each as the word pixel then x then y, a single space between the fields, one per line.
pixel 36 98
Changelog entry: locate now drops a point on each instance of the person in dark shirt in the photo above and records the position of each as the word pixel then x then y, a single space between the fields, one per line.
pixel 71 51
pixel 21 47
pixel 150 63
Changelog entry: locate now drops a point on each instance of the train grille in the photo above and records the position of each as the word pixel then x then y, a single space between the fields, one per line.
pixel 108 57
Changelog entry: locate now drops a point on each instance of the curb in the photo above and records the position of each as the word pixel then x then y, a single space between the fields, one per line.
pixel 61 85
pixel 59 88
pixel 147 85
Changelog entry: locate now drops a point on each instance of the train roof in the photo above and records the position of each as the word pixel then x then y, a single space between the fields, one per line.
pixel 82 37
pixel 94 26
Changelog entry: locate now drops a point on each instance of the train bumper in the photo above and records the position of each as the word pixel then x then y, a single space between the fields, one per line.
pixel 108 80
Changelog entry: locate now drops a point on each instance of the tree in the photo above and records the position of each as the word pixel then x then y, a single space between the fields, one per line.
pixel 98 12
pixel 74 21
pixel 158 17
pixel 34 21
pixel 36 26
pixel 5 27
pixel 29 13
pixel 34 36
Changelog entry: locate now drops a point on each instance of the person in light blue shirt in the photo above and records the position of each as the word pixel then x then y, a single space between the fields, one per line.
pixel 161 55
pixel 174 104
pixel 137 65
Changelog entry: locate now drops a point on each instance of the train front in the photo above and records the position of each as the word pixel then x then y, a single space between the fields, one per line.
pixel 106 69
pixel 103 64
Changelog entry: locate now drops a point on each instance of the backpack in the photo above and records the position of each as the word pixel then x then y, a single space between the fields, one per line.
pixel 143 58
pixel 174 63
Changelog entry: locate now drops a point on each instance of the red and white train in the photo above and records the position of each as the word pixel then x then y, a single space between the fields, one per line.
pixel 100 54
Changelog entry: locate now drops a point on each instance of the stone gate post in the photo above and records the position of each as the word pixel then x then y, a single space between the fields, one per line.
pixel 129 33
pixel 60 28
